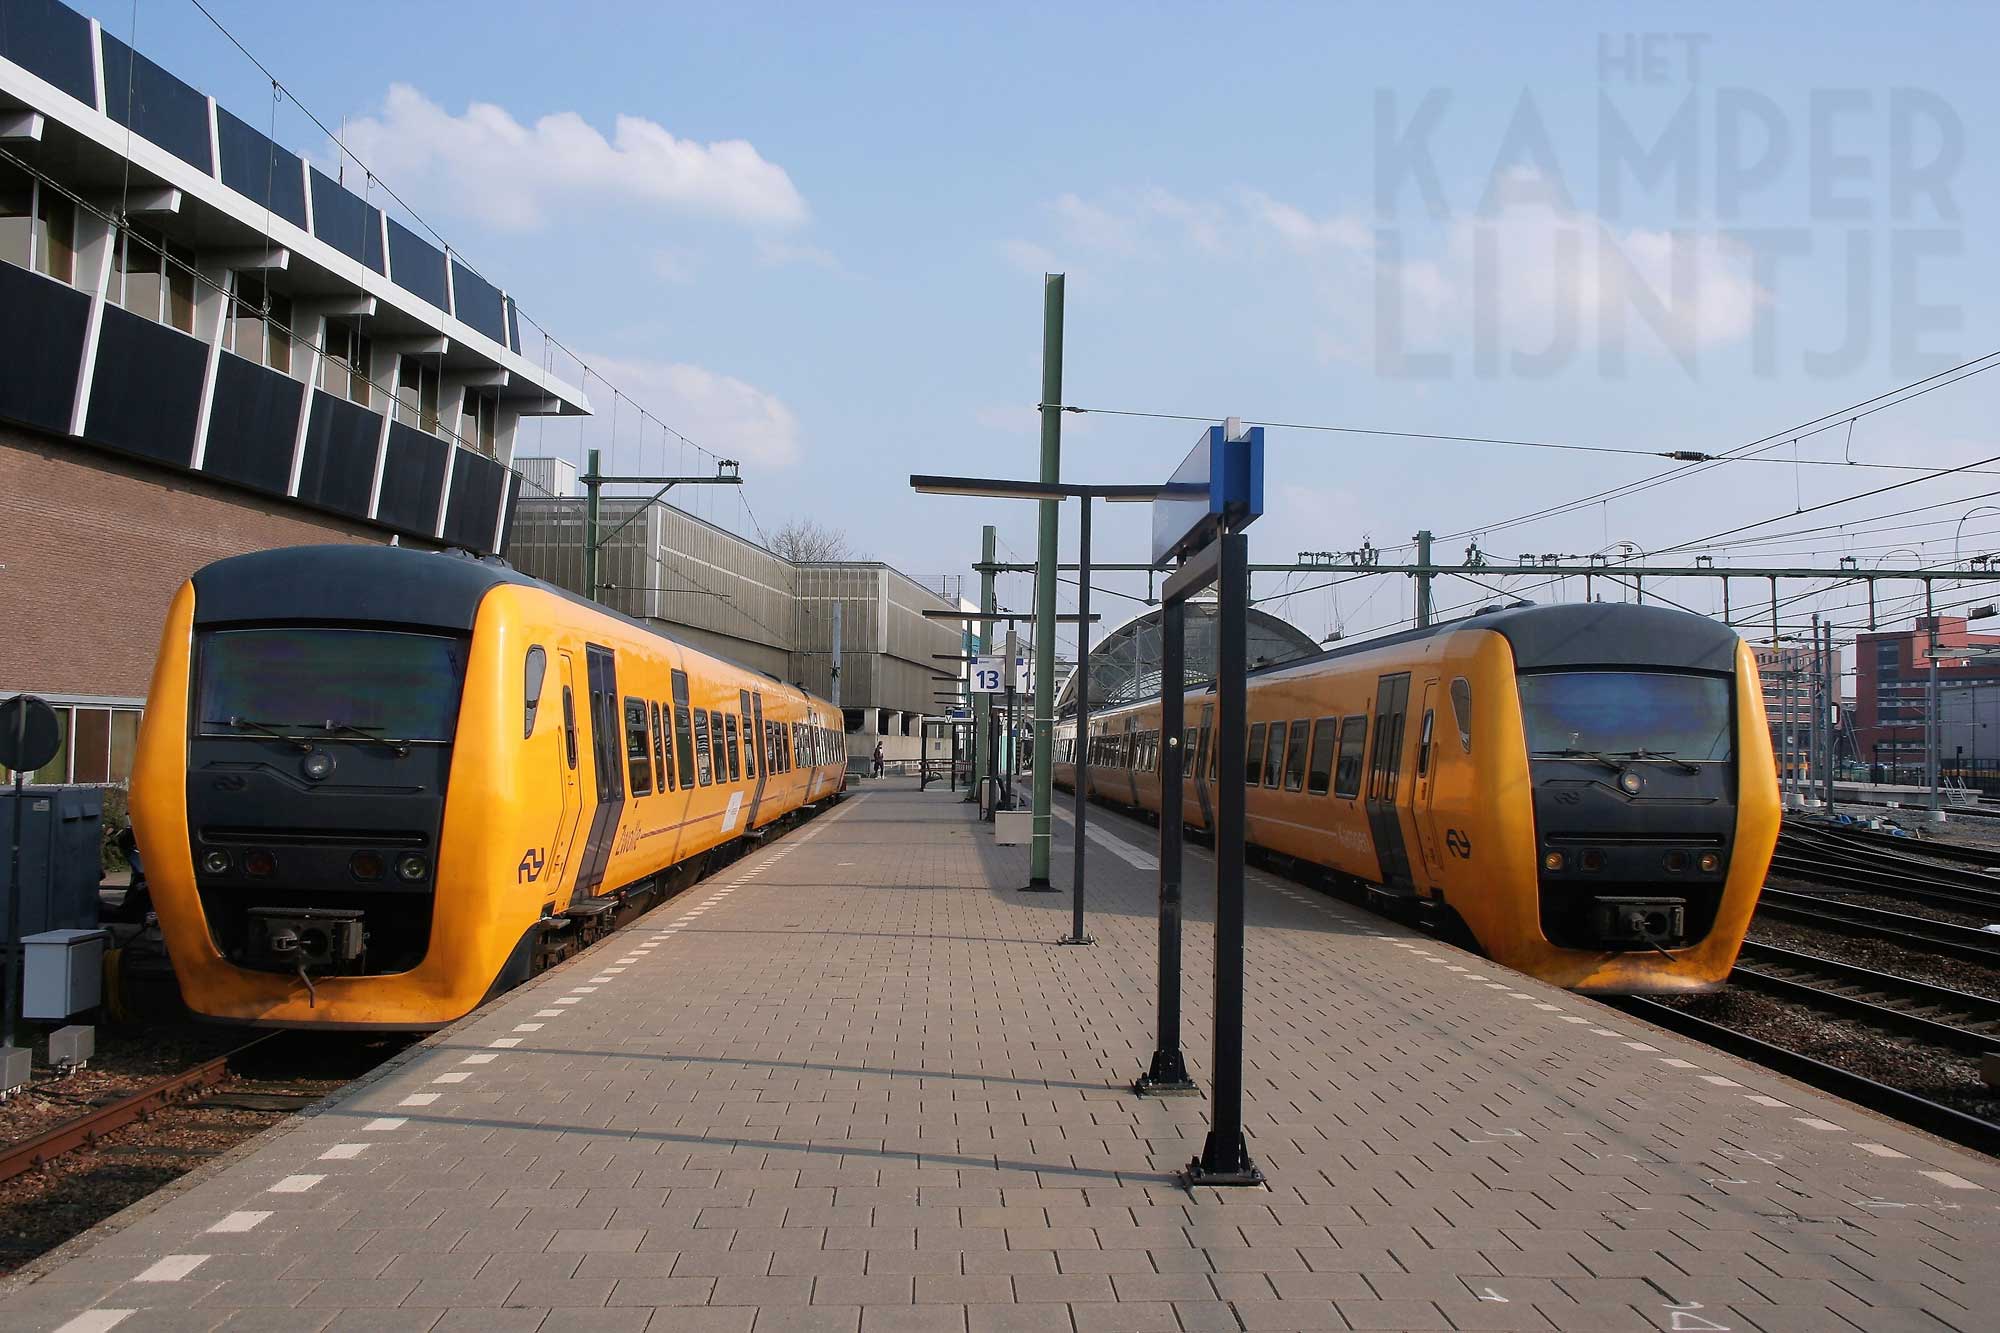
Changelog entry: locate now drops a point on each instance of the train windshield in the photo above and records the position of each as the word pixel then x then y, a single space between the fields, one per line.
pixel 325 682
pixel 1623 714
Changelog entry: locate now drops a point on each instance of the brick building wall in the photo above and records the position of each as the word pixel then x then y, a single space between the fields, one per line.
pixel 92 548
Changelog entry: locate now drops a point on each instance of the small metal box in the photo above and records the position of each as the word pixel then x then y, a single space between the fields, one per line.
pixel 71 1047
pixel 17 1064
pixel 1013 827
pixel 63 973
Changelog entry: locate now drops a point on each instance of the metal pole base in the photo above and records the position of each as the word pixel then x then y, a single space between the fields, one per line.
pixel 1076 939
pixel 1167 1078
pixel 1037 886
pixel 1223 1163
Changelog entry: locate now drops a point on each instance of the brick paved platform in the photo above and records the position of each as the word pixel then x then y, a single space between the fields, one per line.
pixel 852 1083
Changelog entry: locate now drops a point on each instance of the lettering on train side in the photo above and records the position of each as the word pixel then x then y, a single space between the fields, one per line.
pixel 1458 843
pixel 531 866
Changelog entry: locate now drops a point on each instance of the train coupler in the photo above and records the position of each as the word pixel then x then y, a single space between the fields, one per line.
pixel 300 939
pixel 1648 922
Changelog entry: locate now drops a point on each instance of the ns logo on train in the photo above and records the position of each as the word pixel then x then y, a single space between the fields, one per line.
pixel 531 866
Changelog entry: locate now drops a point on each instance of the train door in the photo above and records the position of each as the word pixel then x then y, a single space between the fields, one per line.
pixel 572 789
pixel 1385 824
pixel 1201 736
pixel 1422 806
pixel 757 739
pixel 607 766
pixel 1131 760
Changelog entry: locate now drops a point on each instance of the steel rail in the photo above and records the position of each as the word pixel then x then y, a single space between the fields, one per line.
pixel 1816 843
pixel 1861 880
pixel 1944 1121
pixel 1968 1021
pixel 1943 851
pixel 1915 932
pixel 86 1129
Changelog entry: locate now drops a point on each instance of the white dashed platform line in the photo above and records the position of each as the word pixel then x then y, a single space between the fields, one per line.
pixel 1881 1150
pixel 95 1321
pixel 239 1222
pixel 419 1099
pixel 382 1124
pixel 172 1268
pixel 1950 1181
pixel 343 1152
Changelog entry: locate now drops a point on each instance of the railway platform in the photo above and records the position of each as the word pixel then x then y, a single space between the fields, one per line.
pixel 851 1082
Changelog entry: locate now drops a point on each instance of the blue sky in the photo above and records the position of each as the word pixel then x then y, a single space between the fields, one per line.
pixel 851 292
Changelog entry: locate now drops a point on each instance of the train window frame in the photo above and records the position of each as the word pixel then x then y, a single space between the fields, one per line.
pixel 638 748
pixel 749 748
pixel 1296 744
pixel 1424 735
pixel 534 670
pixel 1253 759
pixel 569 727
pixel 1352 756
pixel 1325 744
pixel 719 755
pixel 703 758
pixel 1461 711
pixel 1274 754
pixel 731 748
pixel 665 775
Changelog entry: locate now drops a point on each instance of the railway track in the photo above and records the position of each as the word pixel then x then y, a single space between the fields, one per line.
pixel 1912 1108
pixel 1937 1014
pixel 1894 883
pixel 85 1130
pixel 1853 919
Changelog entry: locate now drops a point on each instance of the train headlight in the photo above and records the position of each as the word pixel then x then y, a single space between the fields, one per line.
pixel 1630 782
pixel 366 865
pixel 1553 861
pixel 215 862
pixel 260 863
pixel 317 765
pixel 410 867
pixel 1710 862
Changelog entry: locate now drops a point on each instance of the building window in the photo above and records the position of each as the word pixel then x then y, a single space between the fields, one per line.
pixel 344 369
pixel 97 747
pixel 260 322
pixel 17 217
pixel 417 395
pixel 155 283
pixel 37 226
pixel 479 421
pixel 55 238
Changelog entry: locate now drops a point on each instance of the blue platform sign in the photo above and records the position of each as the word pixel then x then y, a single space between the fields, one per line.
pixel 1218 487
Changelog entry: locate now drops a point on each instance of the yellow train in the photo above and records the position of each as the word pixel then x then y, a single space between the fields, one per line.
pixel 375 786
pixel 1588 788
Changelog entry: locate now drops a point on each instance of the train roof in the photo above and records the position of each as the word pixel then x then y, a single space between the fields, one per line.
pixel 1579 634
pixel 388 584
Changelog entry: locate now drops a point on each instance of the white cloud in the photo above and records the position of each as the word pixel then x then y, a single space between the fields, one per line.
pixel 1303 232
pixel 1029 257
pixel 723 414
pixel 487 165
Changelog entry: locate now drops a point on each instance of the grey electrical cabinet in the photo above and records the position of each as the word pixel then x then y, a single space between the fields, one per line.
pixel 61 856
pixel 64 972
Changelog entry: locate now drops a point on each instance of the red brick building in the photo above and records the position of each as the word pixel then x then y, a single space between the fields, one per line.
pixel 1892 680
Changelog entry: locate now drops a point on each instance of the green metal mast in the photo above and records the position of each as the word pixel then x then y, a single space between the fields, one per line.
pixel 1045 585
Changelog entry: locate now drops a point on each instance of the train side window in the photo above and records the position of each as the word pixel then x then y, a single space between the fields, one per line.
pixel 1274 758
pixel 532 671
pixel 703 773
pixel 660 749
pixel 749 732
pixel 1461 711
pixel 1295 757
pixel 1424 746
pixel 1353 743
pixel 1319 774
pixel 735 763
pixel 683 731
pixel 715 744
pixel 638 747
pixel 1253 758
pixel 569 728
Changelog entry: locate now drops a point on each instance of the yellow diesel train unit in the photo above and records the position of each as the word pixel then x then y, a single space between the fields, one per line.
pixel 1588 788
pixel 376 786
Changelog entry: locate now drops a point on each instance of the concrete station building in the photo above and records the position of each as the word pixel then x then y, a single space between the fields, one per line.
pixel 209 346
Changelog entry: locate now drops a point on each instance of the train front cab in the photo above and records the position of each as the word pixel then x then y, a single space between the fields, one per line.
pixel 1604 817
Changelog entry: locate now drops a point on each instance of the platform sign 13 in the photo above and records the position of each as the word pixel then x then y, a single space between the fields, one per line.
pixel 989 674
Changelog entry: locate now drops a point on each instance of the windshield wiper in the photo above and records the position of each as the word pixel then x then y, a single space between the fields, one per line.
pixel 246 724
pixel 397 748
pixel 1662 757
pixel 1573 753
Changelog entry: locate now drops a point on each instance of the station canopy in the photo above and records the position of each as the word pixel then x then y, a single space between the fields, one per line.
pixel 1125 664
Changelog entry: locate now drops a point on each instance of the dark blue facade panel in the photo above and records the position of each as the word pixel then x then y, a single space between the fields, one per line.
pixel 145 395
pixel 42 327
pixel 476 486
pixel 418 266
pixel 513 503
pixel 155 105
pixel 259 170
pixel 338 470
pixel 345 222
pixel 478 303
pixel 412 480
pixel 50 41
pixel 252 425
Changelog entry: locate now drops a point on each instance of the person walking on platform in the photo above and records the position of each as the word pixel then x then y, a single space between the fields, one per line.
pixel 878 759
